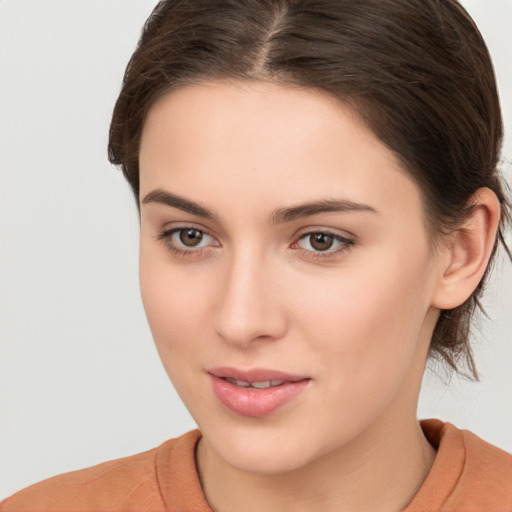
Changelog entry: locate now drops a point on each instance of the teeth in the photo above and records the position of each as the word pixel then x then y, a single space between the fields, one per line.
pixel 261 385
pixel 258 385
pixel 266 384
pixel 240 383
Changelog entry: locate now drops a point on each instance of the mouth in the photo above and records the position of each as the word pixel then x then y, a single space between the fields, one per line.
pixel 255 392
pixel 264 384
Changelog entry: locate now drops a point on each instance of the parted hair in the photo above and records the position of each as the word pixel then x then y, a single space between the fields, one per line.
pixel 417 72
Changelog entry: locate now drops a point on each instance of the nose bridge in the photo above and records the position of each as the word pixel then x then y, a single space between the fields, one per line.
pixel 248 306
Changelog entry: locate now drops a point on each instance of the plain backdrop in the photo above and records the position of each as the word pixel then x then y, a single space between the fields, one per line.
pixel 80 380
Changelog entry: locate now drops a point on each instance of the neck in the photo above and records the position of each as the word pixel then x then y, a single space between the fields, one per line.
pixel 380 470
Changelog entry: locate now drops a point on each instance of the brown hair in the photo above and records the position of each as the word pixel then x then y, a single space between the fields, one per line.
pixel 416 71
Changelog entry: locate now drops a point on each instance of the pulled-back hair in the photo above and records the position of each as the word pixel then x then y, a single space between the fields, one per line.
pixel 417 72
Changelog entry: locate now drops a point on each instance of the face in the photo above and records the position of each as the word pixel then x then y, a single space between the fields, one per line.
pixel 285 271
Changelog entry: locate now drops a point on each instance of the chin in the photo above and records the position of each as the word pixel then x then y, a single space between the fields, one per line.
pixel 263 451
pixel 278 461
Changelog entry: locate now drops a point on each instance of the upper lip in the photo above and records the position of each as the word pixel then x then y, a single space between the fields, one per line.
pixel 255 374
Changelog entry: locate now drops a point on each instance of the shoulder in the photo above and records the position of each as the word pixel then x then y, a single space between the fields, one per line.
pixel 129 483
pixel 479 459
pixel 487 471
pixel 468 473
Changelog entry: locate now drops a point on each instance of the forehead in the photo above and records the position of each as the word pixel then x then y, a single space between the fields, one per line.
pixel 267 142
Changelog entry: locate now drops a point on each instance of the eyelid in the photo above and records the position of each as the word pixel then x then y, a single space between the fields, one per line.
pixel 336 236
pixel 179 226
pixel 343 233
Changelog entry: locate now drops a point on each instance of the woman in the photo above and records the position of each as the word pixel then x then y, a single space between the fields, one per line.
pixel 319 203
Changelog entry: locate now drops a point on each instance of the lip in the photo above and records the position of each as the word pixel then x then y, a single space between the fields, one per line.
pixel 248 401
pixel 254 374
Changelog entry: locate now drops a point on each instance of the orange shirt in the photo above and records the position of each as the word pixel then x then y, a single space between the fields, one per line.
pixel 468 475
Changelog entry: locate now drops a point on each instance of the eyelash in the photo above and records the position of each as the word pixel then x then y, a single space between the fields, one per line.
pixel 166 238
pixel 346 243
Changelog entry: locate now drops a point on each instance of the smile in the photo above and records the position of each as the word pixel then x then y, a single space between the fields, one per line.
pixel 258 385
pixel 257 392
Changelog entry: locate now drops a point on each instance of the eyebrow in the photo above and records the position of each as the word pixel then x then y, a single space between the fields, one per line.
pixel 163 197
pixel 322 206
pixel 278 216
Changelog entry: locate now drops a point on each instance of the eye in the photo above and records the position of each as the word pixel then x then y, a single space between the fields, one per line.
pixel 323 243
pixel 189 237
pixel 320 241
pixel 186 241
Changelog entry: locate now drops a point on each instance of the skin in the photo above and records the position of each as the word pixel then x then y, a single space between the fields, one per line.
pixel 255 294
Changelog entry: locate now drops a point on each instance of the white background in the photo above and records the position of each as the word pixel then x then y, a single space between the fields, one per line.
pixel 80 380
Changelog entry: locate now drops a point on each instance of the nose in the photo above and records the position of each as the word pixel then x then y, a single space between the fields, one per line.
pixel 250 306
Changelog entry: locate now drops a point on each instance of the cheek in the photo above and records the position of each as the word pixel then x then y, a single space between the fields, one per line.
pixel 176 311
pixel 368 321
pixel 174 301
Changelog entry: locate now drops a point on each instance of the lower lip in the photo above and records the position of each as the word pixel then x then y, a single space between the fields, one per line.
pixel 256 402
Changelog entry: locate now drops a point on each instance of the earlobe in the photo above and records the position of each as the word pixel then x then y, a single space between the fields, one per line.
pixel 468 252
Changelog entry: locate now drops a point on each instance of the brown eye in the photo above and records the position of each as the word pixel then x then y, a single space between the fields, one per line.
pixel 190 237
pixel 187 241
pixel 321 241
pixel 324 243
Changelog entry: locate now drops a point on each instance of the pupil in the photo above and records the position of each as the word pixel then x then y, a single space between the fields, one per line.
pixel 321 241
pixel 191 237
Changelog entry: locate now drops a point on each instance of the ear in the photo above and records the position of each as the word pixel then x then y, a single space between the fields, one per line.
pixel 466 256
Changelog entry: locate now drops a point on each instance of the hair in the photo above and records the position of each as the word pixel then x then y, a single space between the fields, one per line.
pixel 417 72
